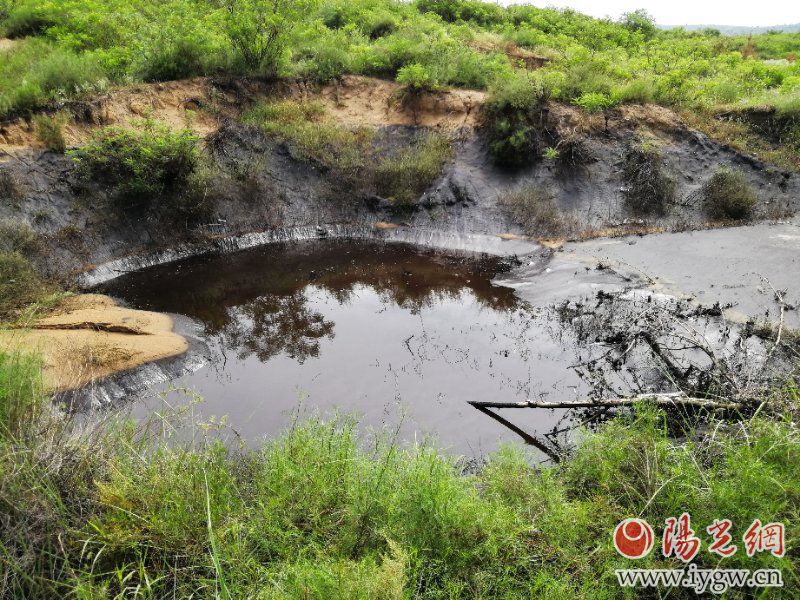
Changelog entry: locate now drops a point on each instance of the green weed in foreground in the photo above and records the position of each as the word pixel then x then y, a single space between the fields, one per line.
pixel 316 513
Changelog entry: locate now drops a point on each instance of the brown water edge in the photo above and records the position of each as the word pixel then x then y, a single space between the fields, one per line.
pixel 388 331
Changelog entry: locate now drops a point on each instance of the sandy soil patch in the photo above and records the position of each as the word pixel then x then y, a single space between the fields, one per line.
pixel 6 44
pixel 91 337
pixel 199 106
pixel 179 104
pixel 373 102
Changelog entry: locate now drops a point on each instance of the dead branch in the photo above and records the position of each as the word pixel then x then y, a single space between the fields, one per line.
pixel 664 399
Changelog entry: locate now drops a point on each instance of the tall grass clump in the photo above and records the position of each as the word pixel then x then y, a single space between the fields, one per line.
pixel 20 284
pixel 21 393
pixel 313 136
pixel 728 195
pixel 534 209
pixel 49 130
pixel 403 176
pixel 648 188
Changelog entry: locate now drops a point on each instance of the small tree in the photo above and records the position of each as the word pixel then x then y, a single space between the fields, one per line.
pixel 640 21
pixel 258 31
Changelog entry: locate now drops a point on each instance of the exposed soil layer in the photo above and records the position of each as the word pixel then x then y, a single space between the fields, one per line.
pixel 78 227
pixel 90 337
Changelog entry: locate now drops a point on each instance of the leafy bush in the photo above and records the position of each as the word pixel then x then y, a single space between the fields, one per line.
pixel 25 20
pixel 593 102
pixel 641 22
pixel 50 130
pixel 19 283
pixel 512 120
pixel 175 58
pixel 728 195
pixel 141 165
pixel 326 59
pixel 534 209
pixel 258 32
pixel 416 79
pixel 406 175
pixel 648 188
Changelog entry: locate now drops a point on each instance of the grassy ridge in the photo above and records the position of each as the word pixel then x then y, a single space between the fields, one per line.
pixel 73 46
pixel 319 513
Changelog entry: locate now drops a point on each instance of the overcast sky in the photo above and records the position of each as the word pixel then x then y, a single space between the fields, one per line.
pixel 688 12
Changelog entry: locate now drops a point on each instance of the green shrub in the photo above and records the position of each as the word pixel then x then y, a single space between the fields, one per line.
pixel 512 119
pixel 534 209
pixel 325 61
pixel 49 130
pixel 416 79
pixel 175 58
pixel 404 176
pixel 142 165
pixel 648 188
pixel 258 32
pixel 728 195
pixel 641 22
pixel 26 20
pixel 593 102
pixel 19 283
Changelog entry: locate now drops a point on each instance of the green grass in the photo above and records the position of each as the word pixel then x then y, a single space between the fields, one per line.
pixel 353 154
pixel 69 47
pixel 320 512
pixel 313 136
pixel 404 176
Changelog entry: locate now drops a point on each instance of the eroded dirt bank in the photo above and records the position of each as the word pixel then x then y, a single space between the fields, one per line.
pixel 77 226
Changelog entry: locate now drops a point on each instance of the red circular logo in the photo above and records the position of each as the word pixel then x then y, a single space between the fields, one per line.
pixel 633 538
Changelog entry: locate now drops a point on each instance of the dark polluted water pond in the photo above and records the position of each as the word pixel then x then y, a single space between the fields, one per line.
pixel 389 332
